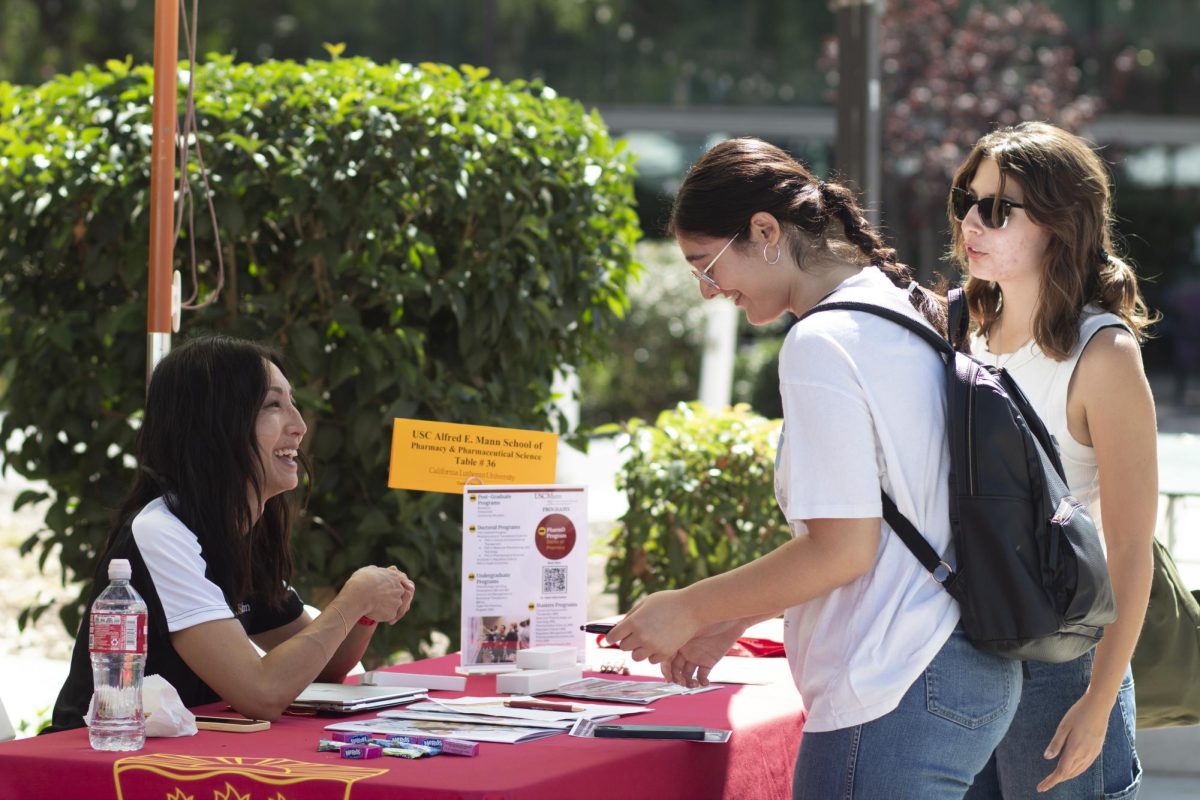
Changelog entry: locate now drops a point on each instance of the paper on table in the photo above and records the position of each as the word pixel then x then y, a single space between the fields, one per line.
pixel 505 734
pixel 494 706
pixel 444 715
pixel 626 691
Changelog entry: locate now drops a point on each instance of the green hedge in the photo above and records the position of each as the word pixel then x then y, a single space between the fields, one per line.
pixel 658 348
pixel 654 360
pixel 420 241
pixel 701 499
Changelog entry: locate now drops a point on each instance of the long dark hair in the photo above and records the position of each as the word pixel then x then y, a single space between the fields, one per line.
pixel 1066 190
pixel 740 177
pixel 197 450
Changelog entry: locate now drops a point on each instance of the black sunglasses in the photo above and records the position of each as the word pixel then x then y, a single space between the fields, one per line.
pixel 993 212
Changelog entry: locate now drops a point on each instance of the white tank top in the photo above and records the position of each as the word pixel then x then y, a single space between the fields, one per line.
pixel 1044 381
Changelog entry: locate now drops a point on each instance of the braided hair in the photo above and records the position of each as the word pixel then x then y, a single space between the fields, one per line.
pixel 740 177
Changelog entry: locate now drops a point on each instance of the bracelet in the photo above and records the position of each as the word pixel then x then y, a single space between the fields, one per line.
pixel 345 627
pixel 366 621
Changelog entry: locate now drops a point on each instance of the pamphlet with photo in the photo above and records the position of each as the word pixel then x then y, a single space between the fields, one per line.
pixel 622 691
pixel 524 579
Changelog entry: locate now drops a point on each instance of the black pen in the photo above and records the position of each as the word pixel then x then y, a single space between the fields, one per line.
pixel 598 627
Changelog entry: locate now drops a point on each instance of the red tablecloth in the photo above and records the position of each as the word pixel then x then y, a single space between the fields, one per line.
pixel 281 764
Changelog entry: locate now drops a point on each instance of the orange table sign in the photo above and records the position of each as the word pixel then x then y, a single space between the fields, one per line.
pixel 443 456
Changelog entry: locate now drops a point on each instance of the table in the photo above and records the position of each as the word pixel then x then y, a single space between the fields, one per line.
pixel 1178 476
pixel 281 764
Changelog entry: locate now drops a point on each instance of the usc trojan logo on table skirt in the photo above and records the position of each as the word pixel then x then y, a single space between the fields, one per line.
pixel 183 777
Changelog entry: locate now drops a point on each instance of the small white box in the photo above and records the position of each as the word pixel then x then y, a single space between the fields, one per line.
pixel 532 681
pixel 547 657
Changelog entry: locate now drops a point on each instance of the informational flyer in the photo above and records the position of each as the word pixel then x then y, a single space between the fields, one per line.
pixel 524 570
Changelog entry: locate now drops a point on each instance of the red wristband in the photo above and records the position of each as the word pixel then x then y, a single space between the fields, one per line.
pixel 365 621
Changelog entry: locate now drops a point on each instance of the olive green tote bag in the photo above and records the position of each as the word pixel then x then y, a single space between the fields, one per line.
pixel 1166 663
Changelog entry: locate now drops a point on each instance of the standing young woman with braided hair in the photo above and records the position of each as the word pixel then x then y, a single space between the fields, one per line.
pixel 900 705
pixel 1031 217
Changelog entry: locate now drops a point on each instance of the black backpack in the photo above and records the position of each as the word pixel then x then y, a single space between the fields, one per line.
pixel 1031 580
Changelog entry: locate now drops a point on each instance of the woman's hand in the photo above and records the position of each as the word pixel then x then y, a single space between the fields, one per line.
pixel 693 661
pixel 410 589
pixel 1078 740
pixel 657 627
pixel 385 594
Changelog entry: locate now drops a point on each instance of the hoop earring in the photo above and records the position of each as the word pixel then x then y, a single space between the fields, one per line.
pixel 778 254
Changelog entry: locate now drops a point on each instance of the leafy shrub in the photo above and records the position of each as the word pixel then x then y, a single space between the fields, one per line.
pixel 756 375
pixel 656 353
pixel 701 499
pixel 653 360
pixel 420 241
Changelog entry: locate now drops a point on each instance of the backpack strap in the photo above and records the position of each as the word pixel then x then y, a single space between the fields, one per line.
pixel 917 544
pixel 908 533
pixel 935 341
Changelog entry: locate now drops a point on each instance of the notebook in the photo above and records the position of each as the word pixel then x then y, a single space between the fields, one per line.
pixel 342 698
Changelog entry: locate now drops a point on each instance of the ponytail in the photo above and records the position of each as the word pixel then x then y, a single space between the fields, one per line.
pixel 859 232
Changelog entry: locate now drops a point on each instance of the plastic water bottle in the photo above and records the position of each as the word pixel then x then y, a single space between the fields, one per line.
pixel 117 642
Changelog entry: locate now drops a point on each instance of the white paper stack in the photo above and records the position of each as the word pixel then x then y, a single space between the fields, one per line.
pixel 532 681
pixel 547 657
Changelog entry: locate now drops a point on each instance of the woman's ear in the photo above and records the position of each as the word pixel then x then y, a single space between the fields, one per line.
pixel 765 229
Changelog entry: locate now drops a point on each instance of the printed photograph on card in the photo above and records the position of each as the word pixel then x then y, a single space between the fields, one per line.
pixel 524 580
pixel 496 640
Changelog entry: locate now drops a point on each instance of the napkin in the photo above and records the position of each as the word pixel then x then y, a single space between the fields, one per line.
pixel 162 709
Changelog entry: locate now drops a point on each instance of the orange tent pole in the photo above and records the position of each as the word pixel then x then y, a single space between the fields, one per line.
pixel 162 183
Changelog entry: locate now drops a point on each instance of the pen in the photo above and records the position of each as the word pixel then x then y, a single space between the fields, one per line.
pixel 598 627
pixel 540 705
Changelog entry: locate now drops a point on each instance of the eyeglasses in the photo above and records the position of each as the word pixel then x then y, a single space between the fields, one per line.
pixel 702 275
pixel 961 202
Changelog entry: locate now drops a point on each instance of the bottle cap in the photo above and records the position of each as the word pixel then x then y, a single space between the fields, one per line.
pixel 119 569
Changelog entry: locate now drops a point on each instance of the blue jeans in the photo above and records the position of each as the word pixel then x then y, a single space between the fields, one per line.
pixel 1017 766
pixel 930 747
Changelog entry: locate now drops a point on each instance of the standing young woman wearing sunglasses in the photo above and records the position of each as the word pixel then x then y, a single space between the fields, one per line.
pixel 1031 219
pixel 900 705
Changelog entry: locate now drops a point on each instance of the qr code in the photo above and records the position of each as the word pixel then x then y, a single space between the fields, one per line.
pixel 554 579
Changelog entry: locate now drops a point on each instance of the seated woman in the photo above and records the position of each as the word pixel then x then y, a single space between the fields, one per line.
pixel 206 529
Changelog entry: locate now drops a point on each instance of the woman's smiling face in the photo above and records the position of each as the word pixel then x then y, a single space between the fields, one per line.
pixel 741 273
pixel 278 433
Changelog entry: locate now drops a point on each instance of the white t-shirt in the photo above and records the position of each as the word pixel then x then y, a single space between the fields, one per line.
pixel 864 409
pixel 173 558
